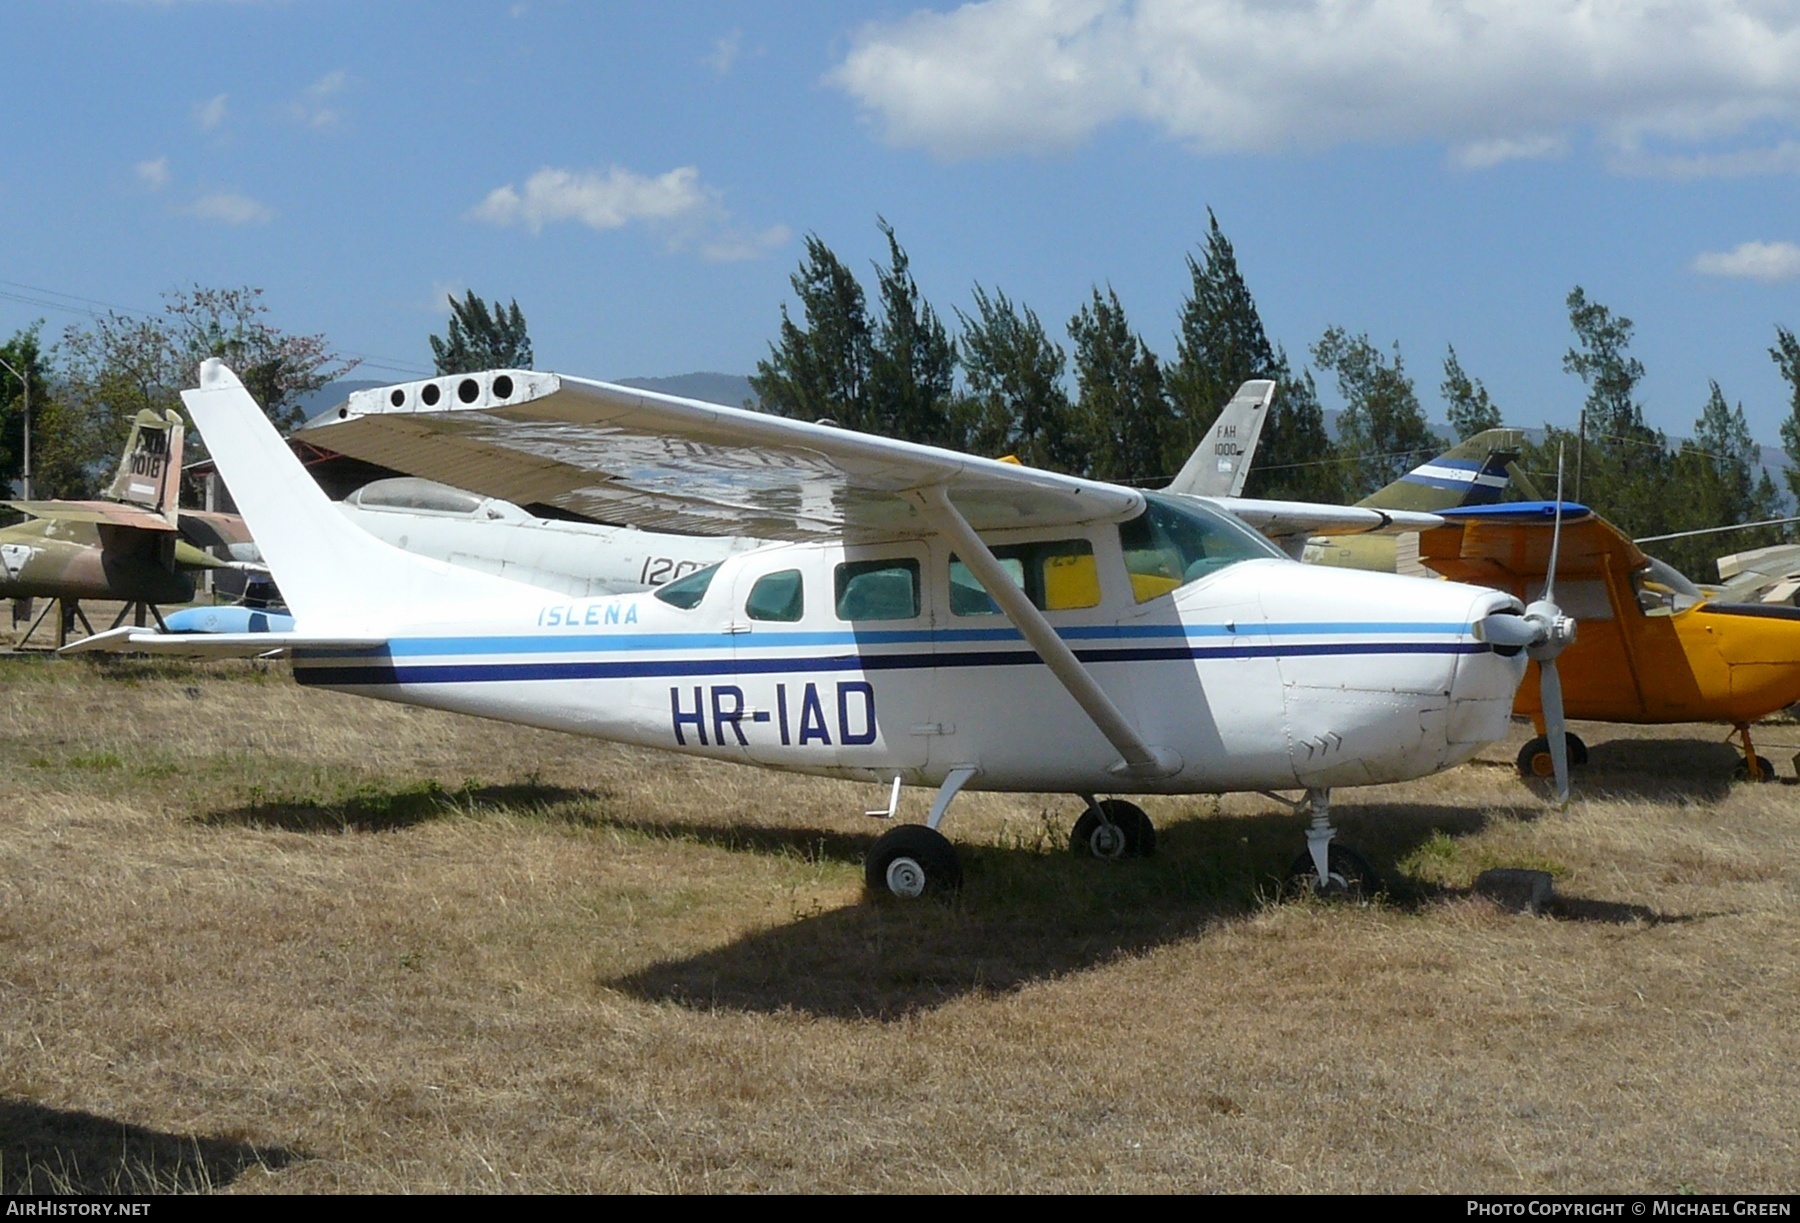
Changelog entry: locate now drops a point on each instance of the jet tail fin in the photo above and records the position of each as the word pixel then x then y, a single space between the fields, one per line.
pixel 1221 462
pixel 1473 472
pixel 150 470
pixel 338 580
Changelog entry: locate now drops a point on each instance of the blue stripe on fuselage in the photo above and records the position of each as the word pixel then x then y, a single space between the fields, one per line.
pixel 551 642
pixel 373 672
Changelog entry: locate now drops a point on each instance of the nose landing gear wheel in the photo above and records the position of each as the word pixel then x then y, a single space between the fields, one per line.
pixel 1534 758
pixel 1112 830
pixel 1349 876
pixel 912 861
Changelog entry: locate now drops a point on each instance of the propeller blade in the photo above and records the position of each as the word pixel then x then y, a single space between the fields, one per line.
pixel 1550 689
pixel 1556 533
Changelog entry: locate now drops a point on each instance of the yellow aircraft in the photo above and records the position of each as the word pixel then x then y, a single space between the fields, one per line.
pixel 1652 647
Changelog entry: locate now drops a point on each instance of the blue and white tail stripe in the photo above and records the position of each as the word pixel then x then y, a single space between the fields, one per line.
pixel 1478 483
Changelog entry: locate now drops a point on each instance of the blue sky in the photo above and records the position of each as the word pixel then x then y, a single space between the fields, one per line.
pixel 639 176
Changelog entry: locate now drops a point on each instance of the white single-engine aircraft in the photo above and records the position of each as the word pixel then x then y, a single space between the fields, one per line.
pixel 936 620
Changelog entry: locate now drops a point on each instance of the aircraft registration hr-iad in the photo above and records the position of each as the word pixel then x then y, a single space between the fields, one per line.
pixel 932 619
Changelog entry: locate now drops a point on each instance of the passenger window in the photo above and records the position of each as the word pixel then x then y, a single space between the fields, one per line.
pixel 777 596
pixel 1058 575
pixel 878 590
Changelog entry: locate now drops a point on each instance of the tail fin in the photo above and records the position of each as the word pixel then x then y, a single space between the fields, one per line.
pixel 1221 462
pixel 1472 473
pixel 335 575
pixel 150 471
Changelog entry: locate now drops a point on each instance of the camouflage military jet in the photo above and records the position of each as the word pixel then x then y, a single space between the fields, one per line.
pixel 124 546
pixel 1475 472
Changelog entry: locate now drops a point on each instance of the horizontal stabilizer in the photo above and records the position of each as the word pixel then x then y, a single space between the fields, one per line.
pixel 130 640
pixel 110 513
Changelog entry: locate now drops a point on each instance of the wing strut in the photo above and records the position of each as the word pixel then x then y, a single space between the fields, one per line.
pixel 1140 759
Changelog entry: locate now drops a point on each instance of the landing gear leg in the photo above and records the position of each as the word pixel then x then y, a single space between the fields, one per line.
pixel 1112 830
pixel 1326 869
pixel 1319 834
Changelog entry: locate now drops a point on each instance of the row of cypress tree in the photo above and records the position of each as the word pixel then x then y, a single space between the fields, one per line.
pixel 1002 384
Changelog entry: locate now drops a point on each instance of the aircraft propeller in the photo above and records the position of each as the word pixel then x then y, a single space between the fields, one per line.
pixel 1544 632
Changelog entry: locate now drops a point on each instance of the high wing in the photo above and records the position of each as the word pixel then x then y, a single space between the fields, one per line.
pixel 1508 547
pixel 657 462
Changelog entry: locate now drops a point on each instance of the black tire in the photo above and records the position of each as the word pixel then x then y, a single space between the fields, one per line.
pixel 1352 878
pixel 912 861
pixel 1765 770
pixel 1535 763
pixel 1117 830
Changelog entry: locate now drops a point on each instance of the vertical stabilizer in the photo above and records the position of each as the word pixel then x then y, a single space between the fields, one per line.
pixel 150 471
pixel 1221 462
pixel 1472 473
pixel 334 575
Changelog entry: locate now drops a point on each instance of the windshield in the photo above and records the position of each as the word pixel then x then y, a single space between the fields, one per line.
pixel 687 592
pixel 1176 542
pixel 1663 590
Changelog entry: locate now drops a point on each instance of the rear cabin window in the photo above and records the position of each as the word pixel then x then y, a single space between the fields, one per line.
pixel 1174 542
pixel 878 590
pixel 780 597
pixel 1056 575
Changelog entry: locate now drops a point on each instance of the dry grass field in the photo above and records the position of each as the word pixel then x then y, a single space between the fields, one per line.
pixel 254 938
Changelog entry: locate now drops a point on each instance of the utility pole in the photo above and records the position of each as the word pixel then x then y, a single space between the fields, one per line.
pixel 25 483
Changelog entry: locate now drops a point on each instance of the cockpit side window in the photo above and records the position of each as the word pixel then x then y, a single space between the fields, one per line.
pixel 1175 542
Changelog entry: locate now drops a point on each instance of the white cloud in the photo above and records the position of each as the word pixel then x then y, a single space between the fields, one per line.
pixel 730 246
pixel 1498 78
pixel 600 201
pixel 726 51
pixel 677 205
pixel 210 113
pixel 230 208
pixel 1766 261
pixel 153 174
pixel 316 106
pixel 1481 154
pixel 1782 158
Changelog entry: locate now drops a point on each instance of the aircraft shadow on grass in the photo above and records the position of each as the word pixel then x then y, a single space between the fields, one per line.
pixel 1030 909
pixel 1695 770
pixel 386 809
pixel 47 1150
pixel 1027 913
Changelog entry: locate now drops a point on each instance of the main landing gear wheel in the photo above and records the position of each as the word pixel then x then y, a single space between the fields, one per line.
pixel 1765 771
pixel 1349 876
pixel 1535 762
pixel 1112 830
pixel 912 861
